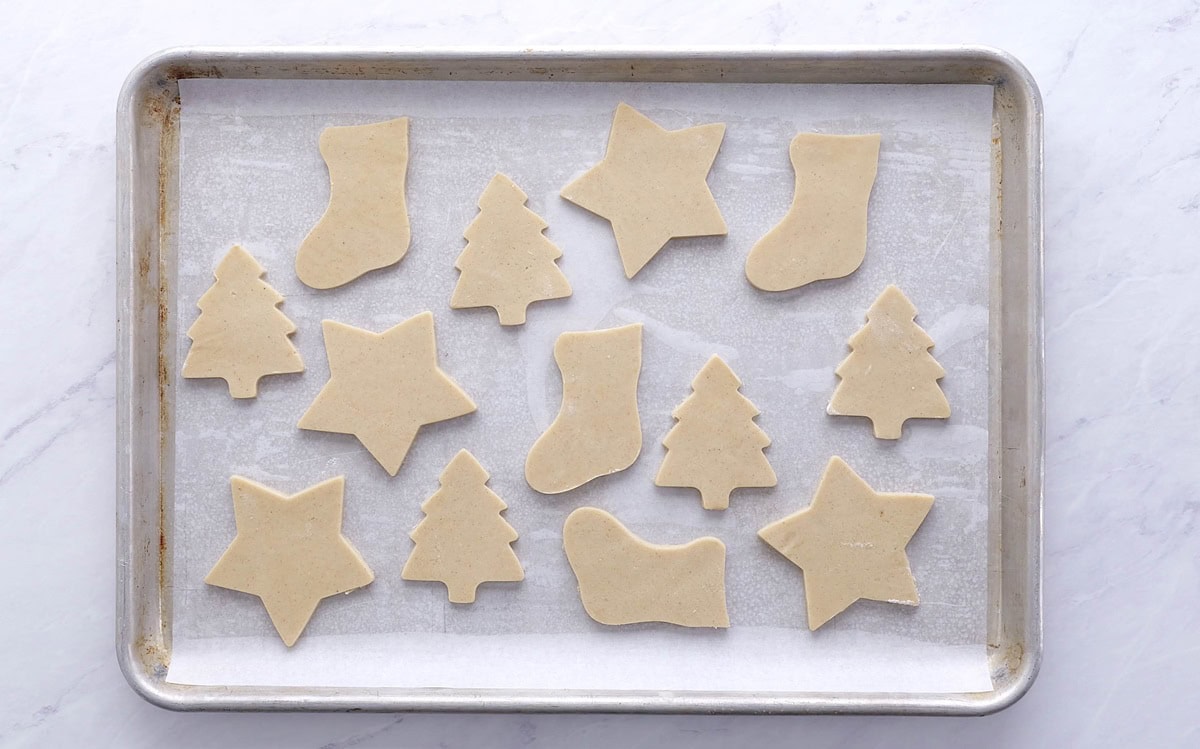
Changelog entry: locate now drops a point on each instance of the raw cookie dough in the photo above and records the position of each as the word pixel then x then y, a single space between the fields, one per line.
pixel 383 386
pixel 850 543
pixel 824 234
pixel 289 551
pixel 507 263
pixel 463 541
pixel 366 224
pixel 625 580
pixel 240 335
pixel 597 430
pixel 716 447
pixel 651 185
pixel 890 376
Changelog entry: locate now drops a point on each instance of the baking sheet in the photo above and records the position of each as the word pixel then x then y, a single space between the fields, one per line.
pixel 251 174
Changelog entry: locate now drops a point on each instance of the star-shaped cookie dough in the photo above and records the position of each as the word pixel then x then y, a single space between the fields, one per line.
pixel 651 185
pixel 383 387
pixel 850 543
pixel 289 551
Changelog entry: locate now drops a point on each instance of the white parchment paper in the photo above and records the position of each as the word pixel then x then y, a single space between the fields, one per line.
pixel 251 174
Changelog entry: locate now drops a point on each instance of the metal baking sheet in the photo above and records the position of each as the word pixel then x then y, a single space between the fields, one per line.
pixel 493 67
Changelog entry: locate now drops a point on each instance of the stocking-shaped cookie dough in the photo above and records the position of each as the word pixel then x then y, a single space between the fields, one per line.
pixel 366 224
pixel 651 185
pixel 824 234
pixel 625 580
pixel 463 541
pixel 716 446
pixel 850 543
pixel 597 431
pixel 240 335
pixel 508 263
pixel 890 376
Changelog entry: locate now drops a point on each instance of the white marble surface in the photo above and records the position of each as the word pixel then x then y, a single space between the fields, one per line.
pixel 1122 576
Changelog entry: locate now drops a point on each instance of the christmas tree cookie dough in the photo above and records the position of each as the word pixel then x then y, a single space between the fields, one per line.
pixel 383 387
pixel 597 430
pixel 890 376
pixel 625 580
pixel 366 223
pixel 463 541
pixel 850 543
pixel 507 263
pixel 824 234
pixel 240 335
pixel 651 185
pixel 289 551
pixel 716 447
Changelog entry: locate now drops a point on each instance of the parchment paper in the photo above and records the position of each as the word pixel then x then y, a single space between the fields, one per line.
pixel 251 174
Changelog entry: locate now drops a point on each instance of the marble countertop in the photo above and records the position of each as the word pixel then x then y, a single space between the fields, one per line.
pixel 1121 84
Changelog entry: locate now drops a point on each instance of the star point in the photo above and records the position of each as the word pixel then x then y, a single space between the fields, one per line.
pixel 652 185
pixel 850 543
